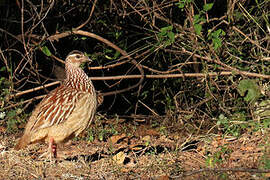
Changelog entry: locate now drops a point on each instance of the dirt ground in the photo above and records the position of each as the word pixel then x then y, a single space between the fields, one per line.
pixel 140 151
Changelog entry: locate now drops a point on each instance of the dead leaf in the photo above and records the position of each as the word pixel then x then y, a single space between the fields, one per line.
pixel 146 138
pixel 116 138
pixel 136 147
pixel 152 132
pixel 146 130
pixel 119 158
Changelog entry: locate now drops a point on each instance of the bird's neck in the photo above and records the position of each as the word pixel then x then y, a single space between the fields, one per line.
pixel 77 79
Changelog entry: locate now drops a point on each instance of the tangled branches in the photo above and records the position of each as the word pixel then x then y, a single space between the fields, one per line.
pixel 162 44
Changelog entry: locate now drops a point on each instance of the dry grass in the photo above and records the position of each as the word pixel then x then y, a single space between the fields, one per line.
pixel 145 153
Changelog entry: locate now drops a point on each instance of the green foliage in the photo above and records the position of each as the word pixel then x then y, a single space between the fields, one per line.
pixel 218 157
pixel 3 69
pixel 266 123
pixel 264 159
pixel 12 121
pixel 198 19
pixel 239 122
pixel 9 116
pixel 110 52
pixel 215 37
pixel 166 36
pixel 250 86
pixel 105 133
pixel 4 83
pixel 182 3
pixel 232 127
pixel 13 118
pixel 90 136
pixel 46 51
pixel 163 130
pixel 101 133
pixel 208 6
pixel 224 176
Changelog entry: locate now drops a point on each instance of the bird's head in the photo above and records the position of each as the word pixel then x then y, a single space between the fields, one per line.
pixel 76 58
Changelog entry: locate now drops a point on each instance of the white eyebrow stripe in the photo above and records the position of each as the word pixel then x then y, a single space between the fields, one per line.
pixel 74 55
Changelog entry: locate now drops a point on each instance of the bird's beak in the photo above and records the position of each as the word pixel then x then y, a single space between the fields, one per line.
pixel 87 59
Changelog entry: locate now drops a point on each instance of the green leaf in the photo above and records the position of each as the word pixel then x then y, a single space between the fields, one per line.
pixel 166 36
pixel 2 79
pixel 180 5
pixel 46 51
pixel 164 30
pixel 116 55
pixel 3 68
pixel 197 19
pixel 252 89
pixel 198 28
pixel 207 7
pixel 11 114
pixel 215 37
pixel 108 57
pixel 216 33
pixel 171 36
pixel 217 43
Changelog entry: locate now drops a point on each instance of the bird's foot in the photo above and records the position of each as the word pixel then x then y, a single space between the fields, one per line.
pixel 48 156
pixel 51 154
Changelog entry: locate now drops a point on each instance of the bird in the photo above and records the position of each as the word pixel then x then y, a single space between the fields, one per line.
pixel 66 111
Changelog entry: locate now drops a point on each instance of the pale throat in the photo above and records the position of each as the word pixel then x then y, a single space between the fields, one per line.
pixel 76 78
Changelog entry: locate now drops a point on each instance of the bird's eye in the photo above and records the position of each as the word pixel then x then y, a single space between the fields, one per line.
pixel 77 56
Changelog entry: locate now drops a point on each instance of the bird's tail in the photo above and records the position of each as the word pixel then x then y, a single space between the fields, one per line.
pixel 23 142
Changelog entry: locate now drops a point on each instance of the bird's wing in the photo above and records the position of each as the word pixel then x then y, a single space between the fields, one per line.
pixel 54 109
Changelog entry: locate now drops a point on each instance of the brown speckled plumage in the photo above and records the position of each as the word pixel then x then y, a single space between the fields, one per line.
pixel 67 110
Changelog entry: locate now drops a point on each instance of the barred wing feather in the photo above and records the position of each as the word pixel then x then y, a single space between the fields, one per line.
pixel 55 108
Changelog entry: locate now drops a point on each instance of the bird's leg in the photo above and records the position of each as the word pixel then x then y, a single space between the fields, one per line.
pixel 52 148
